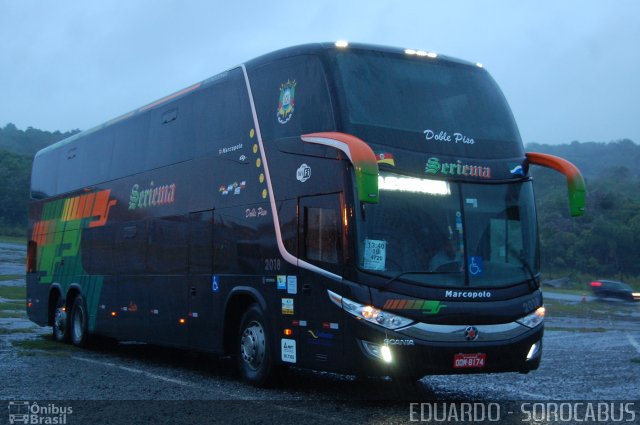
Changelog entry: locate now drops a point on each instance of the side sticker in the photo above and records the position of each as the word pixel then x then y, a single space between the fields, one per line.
pixel 287 306
pixel 288 350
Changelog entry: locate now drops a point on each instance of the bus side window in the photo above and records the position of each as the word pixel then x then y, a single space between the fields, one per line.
pixel 321 230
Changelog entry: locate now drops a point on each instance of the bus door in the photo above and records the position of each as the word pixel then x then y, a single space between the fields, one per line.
pixel 320 242
pixel 203 315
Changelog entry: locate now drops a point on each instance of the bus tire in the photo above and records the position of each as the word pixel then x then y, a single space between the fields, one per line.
pixel 60 323
pixel 255 360
pixel 79 320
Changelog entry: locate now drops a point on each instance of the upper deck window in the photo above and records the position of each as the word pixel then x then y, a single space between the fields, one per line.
pixel 408 101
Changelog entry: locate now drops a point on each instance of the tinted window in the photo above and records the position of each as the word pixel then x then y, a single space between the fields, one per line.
pixel 415 103
pixel 222 116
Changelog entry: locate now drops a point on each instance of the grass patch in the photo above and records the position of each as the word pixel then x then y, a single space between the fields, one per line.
pixel 5 277
pixel 582 330
pixel 572 291
pixel 13 314
pixel 590 310
pixel 45 343
pixel 12 305
pixel 13 239
pixel 13 292
pixel 4 331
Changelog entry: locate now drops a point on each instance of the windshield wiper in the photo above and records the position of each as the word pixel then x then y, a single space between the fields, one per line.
pixel 399 275
pixel 526 266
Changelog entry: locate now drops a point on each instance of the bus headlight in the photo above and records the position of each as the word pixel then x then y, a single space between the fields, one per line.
pixel 534 319
pixel 369 313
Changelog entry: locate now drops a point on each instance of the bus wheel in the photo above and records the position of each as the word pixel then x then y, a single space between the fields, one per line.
pixel 60 322
pixel 254 354
pixel 79 320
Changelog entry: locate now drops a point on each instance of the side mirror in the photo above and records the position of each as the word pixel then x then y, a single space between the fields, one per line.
pixel 575 182
pixel 361 156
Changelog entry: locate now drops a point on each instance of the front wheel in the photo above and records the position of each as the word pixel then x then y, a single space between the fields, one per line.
pixel 255 360
pixel 79 320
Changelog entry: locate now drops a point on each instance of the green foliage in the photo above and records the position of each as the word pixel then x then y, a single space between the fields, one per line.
pixel 29 141
pixel 606 241
pixel 17 149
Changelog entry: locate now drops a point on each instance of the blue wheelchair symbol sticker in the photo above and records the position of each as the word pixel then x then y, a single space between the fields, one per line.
pixel 475 266
pixel 214 284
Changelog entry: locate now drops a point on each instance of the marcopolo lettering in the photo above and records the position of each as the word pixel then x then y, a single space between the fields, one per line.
pixel 467 294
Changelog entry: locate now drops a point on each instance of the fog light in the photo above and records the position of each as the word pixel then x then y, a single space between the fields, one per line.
pixel 533 351
pixel 382 352
pixel 386 353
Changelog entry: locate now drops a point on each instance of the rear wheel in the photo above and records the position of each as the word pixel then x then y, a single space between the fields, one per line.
pixel 79 320
pixel 60 322
pixel 255 360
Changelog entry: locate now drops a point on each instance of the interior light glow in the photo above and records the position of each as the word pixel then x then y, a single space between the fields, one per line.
pixel 432 55
pixel 342 43
pixel 413 184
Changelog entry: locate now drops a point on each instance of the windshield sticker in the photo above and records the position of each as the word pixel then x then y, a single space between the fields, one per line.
pixel 475 266
pixel 385 158
pixel 375 254
pixel 427 306
pixel 516 169
pixel 472 201
pixel 286 101
pixel 443 136
pixel 458 168
pixel 303 173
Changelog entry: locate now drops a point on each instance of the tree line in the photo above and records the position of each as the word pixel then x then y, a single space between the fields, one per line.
pixel 605 242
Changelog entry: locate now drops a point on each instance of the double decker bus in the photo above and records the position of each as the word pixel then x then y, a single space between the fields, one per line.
pixel 339 207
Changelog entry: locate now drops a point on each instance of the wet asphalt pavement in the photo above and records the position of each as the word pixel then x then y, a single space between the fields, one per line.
pixel 588 354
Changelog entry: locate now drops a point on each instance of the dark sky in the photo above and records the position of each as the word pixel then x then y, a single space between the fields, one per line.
pixel 570 69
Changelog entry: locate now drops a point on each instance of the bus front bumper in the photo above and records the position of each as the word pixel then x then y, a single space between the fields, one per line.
pixel 417 351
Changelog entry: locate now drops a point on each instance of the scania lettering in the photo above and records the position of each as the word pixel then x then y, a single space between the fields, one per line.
pixel 374 197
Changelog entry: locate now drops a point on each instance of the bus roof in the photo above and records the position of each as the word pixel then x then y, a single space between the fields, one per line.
pixel 318 49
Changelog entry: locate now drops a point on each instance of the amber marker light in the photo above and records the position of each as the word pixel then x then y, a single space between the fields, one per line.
pixel 288 332
pixel 113 314
pixel 182 321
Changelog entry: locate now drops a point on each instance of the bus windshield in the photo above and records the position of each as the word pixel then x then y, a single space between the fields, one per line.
pixel 451 234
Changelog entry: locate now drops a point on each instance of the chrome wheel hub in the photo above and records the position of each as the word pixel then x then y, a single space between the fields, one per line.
pixel 252 345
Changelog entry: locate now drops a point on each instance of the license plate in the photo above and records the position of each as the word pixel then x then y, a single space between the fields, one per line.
pixel 469 360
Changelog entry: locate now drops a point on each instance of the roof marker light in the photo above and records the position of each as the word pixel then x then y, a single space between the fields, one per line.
pixel 479 65
pixel 342 43
pixel 410 51
pixel 432 55
pixel 421 53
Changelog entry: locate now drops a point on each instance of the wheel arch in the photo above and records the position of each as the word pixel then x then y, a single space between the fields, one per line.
pixel 237 302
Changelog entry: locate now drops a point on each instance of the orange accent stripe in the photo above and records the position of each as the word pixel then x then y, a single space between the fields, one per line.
pixel 81 201
pixel 88 206
pixel 171 96
pixel 387 304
